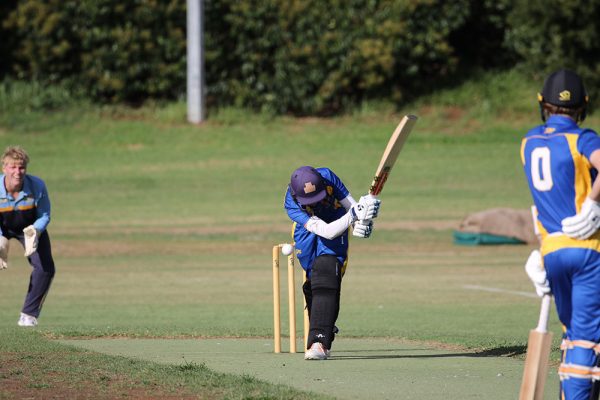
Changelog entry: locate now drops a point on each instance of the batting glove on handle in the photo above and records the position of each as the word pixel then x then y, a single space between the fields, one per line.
pixel 536 272
pixel 32 236
pixel 3 252
pixel 367 208
pixel 363 228
pixel 585 223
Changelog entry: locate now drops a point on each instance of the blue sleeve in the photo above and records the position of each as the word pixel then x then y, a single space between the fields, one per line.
pixel 339 189
pixel 42 203
pixel 294 211
pixel 588 142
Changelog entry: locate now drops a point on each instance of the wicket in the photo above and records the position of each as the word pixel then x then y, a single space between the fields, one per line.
pixel 291 303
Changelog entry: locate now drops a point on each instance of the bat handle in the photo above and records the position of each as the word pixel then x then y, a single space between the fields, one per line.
pixel 544 314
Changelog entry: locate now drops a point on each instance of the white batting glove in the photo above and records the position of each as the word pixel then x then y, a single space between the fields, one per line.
pixel 363 228
pixel 3 252
pixel 536 272
pixel 367 208
pixel 585 223
pixel 31 240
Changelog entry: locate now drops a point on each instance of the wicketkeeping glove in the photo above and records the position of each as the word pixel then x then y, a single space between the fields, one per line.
pixel 585 223
pixel 3 252
pixel 31 240
pixel 367 208
pixel 362 228
pixel 536 272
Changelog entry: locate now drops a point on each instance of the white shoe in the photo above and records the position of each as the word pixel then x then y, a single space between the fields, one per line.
pixel 317 352
pixel 27 320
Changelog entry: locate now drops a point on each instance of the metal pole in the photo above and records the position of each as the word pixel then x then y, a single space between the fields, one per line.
pixel 195 61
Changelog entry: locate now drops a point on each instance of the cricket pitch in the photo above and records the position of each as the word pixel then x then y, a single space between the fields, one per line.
pixel 358 368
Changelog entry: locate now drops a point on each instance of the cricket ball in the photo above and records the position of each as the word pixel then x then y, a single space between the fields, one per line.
pixel 287 249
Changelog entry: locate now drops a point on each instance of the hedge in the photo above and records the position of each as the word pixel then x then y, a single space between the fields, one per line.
pixel 292 56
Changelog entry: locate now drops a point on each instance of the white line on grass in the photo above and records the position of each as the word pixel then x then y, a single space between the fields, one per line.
pixel 497 290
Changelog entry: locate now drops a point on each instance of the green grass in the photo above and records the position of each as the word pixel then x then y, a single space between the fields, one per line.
pixel 163 229
pixel 34 364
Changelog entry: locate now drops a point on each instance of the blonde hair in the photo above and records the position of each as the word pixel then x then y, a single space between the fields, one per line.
pixel 15 153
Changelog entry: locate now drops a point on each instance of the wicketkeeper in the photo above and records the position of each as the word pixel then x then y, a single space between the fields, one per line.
pixel 323 210
pixel 561 161
pixel 24 215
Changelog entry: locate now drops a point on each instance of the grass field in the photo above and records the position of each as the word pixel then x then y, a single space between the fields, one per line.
pixel 164 230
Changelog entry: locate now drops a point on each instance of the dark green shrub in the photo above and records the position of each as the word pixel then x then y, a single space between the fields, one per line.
pixel 116 51
pixel 480 41
pixel 8 41
pixel 309 57
pixel 134 49
pixel 48 47
pixel 552 34
pixel 291 56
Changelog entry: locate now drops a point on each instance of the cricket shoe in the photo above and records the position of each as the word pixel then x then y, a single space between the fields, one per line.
pixel 27 320
pixel 317 352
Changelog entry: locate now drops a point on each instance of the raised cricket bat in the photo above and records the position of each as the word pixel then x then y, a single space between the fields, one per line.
pixel 391 152
pixel 538 354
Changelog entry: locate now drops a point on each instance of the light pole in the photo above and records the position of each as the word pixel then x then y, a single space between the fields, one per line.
pixel 196 108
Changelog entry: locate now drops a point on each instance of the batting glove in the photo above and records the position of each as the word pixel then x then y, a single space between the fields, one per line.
pixel 367 208
pixel 585 223
pixel 536 272
pixel 3 252
pixel 31 240
pixel 363 228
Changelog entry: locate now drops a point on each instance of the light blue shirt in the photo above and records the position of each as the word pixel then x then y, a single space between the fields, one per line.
pixel 32 195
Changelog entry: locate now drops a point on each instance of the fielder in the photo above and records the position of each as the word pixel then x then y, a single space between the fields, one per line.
pixel 561 162
pixel 322 211
pixel 24 215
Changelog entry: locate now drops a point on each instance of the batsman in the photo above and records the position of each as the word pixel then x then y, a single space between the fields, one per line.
pixel 561 161
pixel 322 211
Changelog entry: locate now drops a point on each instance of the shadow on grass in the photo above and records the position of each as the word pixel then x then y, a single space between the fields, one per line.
pixel 503 351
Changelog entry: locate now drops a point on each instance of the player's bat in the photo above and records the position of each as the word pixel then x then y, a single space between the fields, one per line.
pixel 391 153
pixel 538 353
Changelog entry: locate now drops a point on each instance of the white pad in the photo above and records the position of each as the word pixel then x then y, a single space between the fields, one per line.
pixel 536 272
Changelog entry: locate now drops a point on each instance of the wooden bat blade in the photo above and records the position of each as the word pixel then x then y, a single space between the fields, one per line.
pixel 391 152
pixel 536 365
pixel 539 345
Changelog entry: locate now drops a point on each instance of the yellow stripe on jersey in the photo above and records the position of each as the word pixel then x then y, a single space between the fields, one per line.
pixel 583 180
pixel 551 243
pixel 347 254
pixel 582 187
pixel 25 208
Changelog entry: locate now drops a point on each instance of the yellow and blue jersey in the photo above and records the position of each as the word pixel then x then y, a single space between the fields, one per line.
pixel 31 207
pixel 556 162
pixel 309 245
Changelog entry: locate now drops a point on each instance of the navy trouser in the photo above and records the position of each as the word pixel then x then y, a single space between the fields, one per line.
pixel 41 275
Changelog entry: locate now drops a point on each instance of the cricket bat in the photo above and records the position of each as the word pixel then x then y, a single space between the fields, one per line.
pixel 391 152
pixel 538 354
